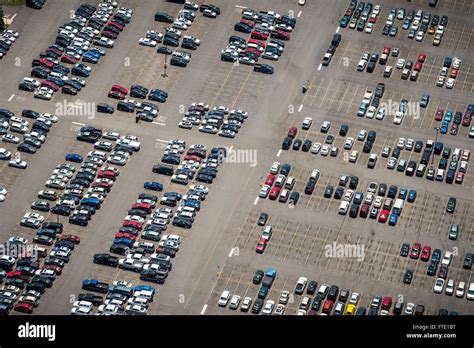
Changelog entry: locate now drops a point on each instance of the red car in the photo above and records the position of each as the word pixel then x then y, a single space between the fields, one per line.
pixel 454 129
pixel 143 206
pixel 421 58
pixel 58 270
pixel 24 307
pixel 257 42
pixel 387 50
pixel 443 272
pixel 387 303
pixel 415 251
pixel 275 191
pixel 18 275
pixel 119 88
pixel 109 34
pixel 68 59
pixel 125 235
pixel 459 178
pixel 102 184
pixel 131 223
pixel 71 238
pixel 116 25
pixel 247 22
pixel 46 63
pixel 270 180
pixel 259 35
pixel 51 85
pixel 292 132
pixel 439 114
pixel 373 19
pixel 418 66
pixel 54 50
pixel 454 73
pixel 116 95
pixel 193 157
pixel 280 35
pixel 108 174
pixel 425 254
pixel 252 50
pixel 384 215
pixel 170 252
pixel 261 245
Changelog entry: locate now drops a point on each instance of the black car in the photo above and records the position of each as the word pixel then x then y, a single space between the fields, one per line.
pixel 106 259
pixel 312 286
pixel 105 108
pixel 408 277
pixel 257 278
pixel 287 143
pixel 263 68
pixel 392 191
pixel 309 188
pixel 242 28
pixel 188 44
pixel 96 300
pixel 257 306
pixel 153 276
pixel 120 249
pixel 26 148
pixel 26 86
pixel 168 41
pixel 78 219
pixel 163 17
pixel 125 106
pixel 297 144
pixel 69 90
pixel 467 263
pixel 262 219
pixel 178 61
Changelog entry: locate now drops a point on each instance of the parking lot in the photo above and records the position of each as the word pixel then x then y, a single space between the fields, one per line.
pixel 218 252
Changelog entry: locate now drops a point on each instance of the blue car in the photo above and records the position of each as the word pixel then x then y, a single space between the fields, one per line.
pixel 448 116
pixel 79 72
pixel 192 203
pixel 124 241
pixel 436 256
pixel 145 287
pixel 153 185
pixel 406 24
pixel 93 53
pixel 343 22
pixel 411 196
pixel 392 221
pixel 96 51
pixel 173 194
pixel 444 127
pixel 90 59
pixel 74 157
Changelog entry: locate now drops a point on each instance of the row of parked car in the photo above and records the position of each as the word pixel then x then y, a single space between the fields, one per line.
pixel 457 118
pixel 7 39
pixel 89 25
pixel 27 270
pixel 261 26
pixel 328 300
pixel 33 138
pixel 122 298
pixel 218 120
pixel 449 72
pixel 363 18
pixel 278 185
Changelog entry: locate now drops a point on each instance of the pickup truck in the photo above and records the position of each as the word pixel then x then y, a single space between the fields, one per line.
pixel 95 285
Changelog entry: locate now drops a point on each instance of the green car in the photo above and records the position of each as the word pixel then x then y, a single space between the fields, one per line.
pixel 263 292
pixel 344 21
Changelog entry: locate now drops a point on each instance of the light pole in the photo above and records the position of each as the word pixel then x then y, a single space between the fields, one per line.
pixel 436 129
pixel 165 65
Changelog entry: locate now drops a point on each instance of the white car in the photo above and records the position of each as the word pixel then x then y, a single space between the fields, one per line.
pixel 224 299
pixel 325 150
pixel 173 30
pixel 315 148
pixel 306 123
pixel 284 297
pixel 448 256
pixel 371 111
pixel 234 302
pixel 369 28
pixel 400 63
pixel 18 163
pixel 410 309
pixel 301 2
pixel 362 134
pixel 147 42
pixel 246 303
pixel 264 191
pixel 275 168
pixel 460 289
pixel 354 298
pixel 450 83
pixel 40 94
pixel 440 81
pixel 401 143
pixel 81 311
pixel 349 143
pixel 438 286
pixel 470 292
pixel 177 24
pixel 398 117
pixel 378 202
pixel 10 138
pixel 353 156
pixel 449 287
pixel 279 309
pixel 380 114
pixel 420 35
pixel 268 308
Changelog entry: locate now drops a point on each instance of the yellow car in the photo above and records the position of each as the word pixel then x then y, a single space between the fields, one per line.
pixel 350 309
pixel 431 30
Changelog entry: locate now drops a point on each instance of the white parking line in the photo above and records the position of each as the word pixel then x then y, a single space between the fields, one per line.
pixel 78 123
pixel 256 201
pixel 320 66
pixel 337 30
pixel 300 108
pixel 11 97
pixel 299 14
pixel 203 310
pixel 238 6
pixel 279 153
pixel 162 141
pixel 159 123
pixel 13 17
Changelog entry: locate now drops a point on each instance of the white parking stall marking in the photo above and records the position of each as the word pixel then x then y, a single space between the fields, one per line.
pixel 11 97
pixel 242 7
pixel 279 153
pixel 320 66
pixel 203 310
pixel 299 14
pixel 256 201
pixel 162 141
pixel 78 123
pixel 300 108
pixel 337 30
pixel 159 123
pixel 13 17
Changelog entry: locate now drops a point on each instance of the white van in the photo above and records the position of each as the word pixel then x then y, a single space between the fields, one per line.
pixel 343 207
pixel 315 174
pixel 173 237
pixel 148 295
pixel 305 303
pixel 284 196
pixel 398 205
pixel 290 182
